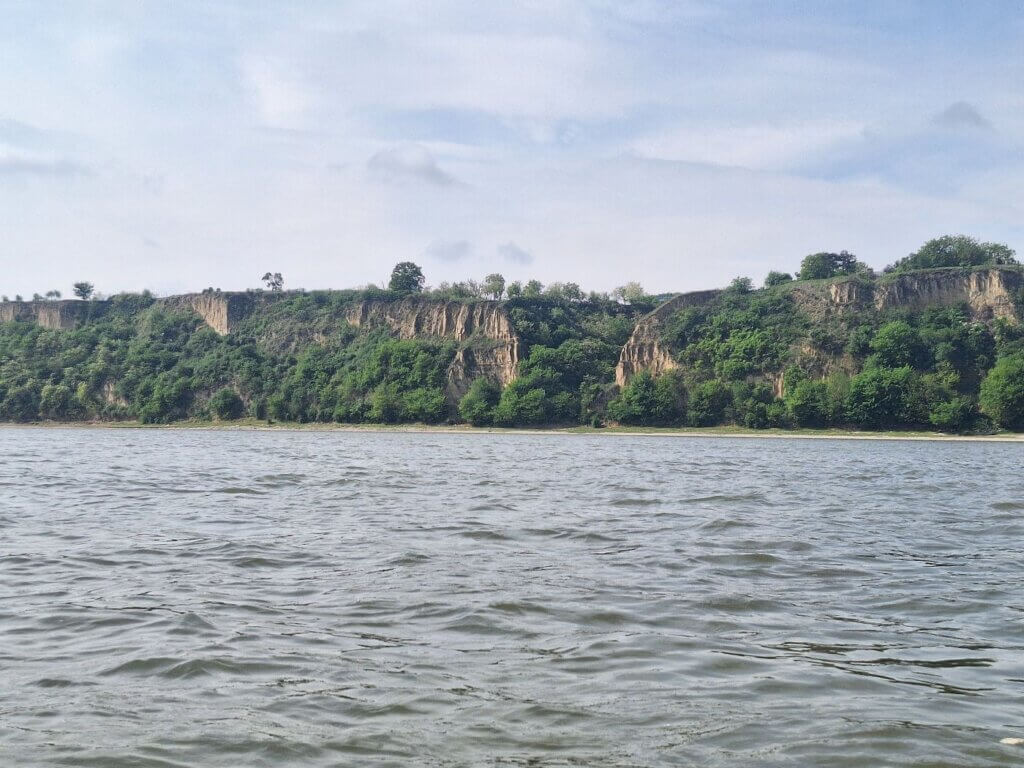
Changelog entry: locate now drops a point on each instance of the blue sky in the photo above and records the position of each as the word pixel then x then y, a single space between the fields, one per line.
pixel 174 146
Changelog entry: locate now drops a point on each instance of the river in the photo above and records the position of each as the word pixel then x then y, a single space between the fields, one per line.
pixel 272 598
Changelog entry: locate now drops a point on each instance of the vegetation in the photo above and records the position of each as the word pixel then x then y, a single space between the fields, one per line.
pixel 406 277
pixel 82 290
pixel 754 358
pixel 955 251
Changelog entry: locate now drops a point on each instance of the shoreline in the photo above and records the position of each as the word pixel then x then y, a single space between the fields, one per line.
pixel 252 425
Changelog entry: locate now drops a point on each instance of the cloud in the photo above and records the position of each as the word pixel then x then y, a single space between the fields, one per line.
pixel 514 254
pixel 448 250
pixel 20 163
pixel 409 161
pixel 961 115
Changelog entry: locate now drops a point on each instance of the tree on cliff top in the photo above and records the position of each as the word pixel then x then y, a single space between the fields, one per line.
pixel 955 251
pixel 273 281
pixel 406 277
pixel 822 265
pixel 84 290
pixel 494 285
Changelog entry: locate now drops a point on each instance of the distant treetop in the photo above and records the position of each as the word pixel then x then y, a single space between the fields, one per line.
pixel 955 251
pixel 406 277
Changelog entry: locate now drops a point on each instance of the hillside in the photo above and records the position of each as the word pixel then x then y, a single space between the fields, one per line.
pixel 907 349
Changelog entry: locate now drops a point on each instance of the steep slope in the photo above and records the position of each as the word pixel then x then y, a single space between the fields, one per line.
pixel 645 350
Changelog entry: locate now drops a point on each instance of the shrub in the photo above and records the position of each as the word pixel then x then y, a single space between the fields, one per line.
pixel 227 405
pixel 1002 392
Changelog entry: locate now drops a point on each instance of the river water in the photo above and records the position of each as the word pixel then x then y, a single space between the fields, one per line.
pixel 223 598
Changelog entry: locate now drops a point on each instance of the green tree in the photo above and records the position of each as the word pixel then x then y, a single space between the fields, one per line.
pixel 896 344
pixel 808 403
pixel 406 278
pixel 708 403
pixel 955 251
pixel 227 405
pixel 824 264
pixel 631 293
pixel 1002 392
pixel 533 288
pixel 494 285
pixel 882 397
pixel 477 405
pixel 515 289
pixel 741 285
pixel 83 290
pixel 777 278
pixel 273 281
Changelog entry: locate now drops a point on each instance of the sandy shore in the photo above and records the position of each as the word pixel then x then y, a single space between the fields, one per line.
pixel 705 432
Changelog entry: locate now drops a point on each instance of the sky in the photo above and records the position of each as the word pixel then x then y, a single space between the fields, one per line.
pixel 678 143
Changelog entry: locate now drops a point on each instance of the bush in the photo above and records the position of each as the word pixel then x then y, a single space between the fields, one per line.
pixel 808 402
pixel 227 405
pixel 477 405
pixel 881 397
pixel 708 403
pixel 956 415
pixel 954 251
pixel 1002 392
pixel 646 401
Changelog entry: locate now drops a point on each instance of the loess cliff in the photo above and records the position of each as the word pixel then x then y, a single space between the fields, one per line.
pixel 54 315
pixel 988 294
pixel 488 346
pixel 645 350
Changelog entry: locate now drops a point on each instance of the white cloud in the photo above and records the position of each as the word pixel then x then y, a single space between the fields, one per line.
pixel 448 250
pixel 512 253
pixel 410 161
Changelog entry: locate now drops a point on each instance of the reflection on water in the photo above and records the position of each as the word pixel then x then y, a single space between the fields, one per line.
pixel 282 598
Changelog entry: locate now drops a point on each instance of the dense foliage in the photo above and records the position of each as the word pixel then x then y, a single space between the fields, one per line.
pixel 955 251
pixel 754 359
pixel 749 357
pixel 297 359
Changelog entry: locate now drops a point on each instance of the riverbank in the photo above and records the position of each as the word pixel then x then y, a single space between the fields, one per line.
pixel 725 431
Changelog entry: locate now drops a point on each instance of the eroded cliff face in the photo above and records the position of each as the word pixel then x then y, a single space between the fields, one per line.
pixel 55 315
pixel 488 345
pixel 221 311
pixel 988 293
pixel 645 350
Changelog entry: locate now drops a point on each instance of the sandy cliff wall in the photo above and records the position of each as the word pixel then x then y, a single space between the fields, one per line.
pixel 221 311
pixel 55 315
pixel 988 293
pixel 488 345
pixel 645 351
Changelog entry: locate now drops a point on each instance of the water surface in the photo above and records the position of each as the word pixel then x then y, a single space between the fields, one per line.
pixel 184 598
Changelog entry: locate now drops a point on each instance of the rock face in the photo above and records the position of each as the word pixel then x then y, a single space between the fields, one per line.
pixel 988 293
pixel 55 315
pixel 645 351
pixel 488 345
pixel 221 311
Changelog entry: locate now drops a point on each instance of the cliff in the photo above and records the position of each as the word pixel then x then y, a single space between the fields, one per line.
pixel 221 311
pixel 488 345
pixel 645 351
pixel 988 293
pixel 55 315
